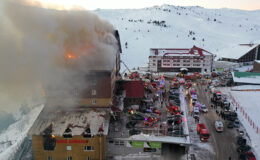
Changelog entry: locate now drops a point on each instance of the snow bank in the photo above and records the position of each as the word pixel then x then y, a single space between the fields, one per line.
pixel 246 87
pixel 248 106
pixel 16 133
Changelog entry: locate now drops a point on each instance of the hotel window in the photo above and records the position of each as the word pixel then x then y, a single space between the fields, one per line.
pixel 93 92
pixel 89 158
pixel 89 148
pixel 94 101
pixel 49 158
pixel 166 60
pixel 68 148
pixel 69 158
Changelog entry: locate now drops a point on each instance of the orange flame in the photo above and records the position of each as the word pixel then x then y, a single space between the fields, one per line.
pixel 52 136
pixel 70 56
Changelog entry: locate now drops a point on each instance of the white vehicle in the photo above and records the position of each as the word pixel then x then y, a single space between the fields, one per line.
pixel 219 126
pixel 204 109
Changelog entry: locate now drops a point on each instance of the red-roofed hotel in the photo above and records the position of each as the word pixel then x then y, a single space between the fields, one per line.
pixel 173 59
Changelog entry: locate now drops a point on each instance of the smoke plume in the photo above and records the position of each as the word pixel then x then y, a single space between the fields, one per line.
pixel 50 49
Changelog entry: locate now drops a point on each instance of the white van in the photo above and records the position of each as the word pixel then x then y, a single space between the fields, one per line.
pixel 219 126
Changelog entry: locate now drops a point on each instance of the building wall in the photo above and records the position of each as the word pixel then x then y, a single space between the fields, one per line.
pixel 250 56
pixel 174 63
pixel 256 67
pixel 77 149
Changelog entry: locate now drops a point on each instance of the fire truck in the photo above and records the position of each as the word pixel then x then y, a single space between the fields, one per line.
pixel 188 84
pixel 203 132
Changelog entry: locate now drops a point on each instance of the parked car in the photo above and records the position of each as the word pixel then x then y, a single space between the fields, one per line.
pixel 241 140
pixel 176 133
pixel 131 124
pixel 134 132
pixel 236 123
pixel 243 148
pixel 156 111
pixel 204 109
pixel 241 133
pixel 242 157
pixel 177 119
pixel 137 117
pixel 173 97
pixel 174 92
pixel 175 128
pixel 173 102
pixel 230 125
pixel 149 149
pixel 219 126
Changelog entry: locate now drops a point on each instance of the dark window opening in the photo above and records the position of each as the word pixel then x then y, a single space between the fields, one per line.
pixel 67 133
pixel 87 133
pixel 49 142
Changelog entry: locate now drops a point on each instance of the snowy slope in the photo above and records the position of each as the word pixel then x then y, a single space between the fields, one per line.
pixel 13 136
pixel 215 30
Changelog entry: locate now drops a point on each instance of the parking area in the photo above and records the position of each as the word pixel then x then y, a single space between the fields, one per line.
pixel 159 118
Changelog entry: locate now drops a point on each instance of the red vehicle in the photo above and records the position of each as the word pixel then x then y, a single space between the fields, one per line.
pixel 154 85
pixel 175 79
pixel 149 124
pixel 176 85
pixel 134 75
pixel 188 85
pixel 156 111
pixel 250 156
pixel 198 75
pixel 203 82
pixel 203 132
pixel 173 109
pixel 189 77
pixel 213 74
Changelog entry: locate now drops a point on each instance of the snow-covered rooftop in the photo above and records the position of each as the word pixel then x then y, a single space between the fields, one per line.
pixel 78 121
pixel 246 77
pixel 194 51
pixel 151 138
pixel 236 51
pixel 257 61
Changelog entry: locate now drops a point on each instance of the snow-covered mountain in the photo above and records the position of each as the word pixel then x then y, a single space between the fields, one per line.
pixel 215 30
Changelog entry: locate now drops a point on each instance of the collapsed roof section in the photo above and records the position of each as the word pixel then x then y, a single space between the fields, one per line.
pixel 95 120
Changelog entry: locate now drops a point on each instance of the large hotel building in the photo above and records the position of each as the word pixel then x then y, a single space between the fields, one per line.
pixel 173 59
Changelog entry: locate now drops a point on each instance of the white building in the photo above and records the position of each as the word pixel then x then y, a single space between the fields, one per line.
pixel 172 60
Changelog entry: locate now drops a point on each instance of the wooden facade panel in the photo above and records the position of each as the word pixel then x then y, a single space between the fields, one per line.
pixel 77 151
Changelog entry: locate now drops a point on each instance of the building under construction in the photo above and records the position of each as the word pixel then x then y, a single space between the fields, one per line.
pixel 78 132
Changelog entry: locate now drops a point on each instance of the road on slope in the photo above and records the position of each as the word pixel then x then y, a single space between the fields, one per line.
pixel 224 143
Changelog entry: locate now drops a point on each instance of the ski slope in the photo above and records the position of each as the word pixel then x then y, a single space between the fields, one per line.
pixel 215 30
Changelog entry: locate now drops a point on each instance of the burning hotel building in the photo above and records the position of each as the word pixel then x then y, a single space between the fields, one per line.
pixel 79 131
